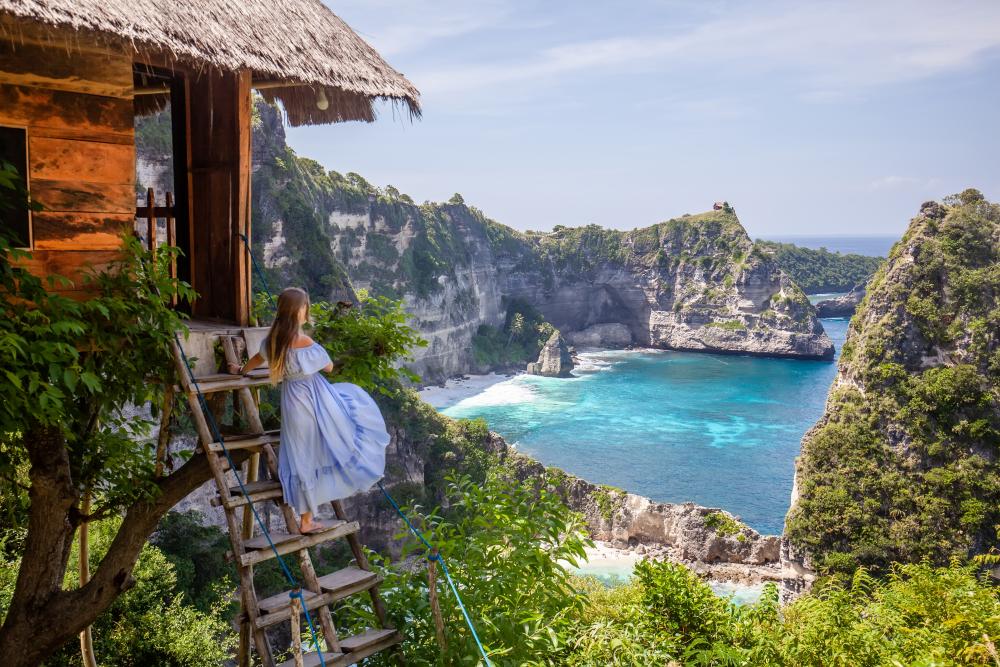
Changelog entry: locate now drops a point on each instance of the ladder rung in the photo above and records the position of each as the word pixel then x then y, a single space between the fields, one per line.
pixel 259 550
pixel 255 487
pixel 348 581
pixel 260 542
pixel 246 441
pixel 258 492
pixel 311 659
pixel 211 384
pixel 283 601
pixel 335 586
pixel 365 644
pixel 368 642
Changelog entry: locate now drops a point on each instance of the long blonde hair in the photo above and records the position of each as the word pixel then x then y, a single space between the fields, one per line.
pixel 284 329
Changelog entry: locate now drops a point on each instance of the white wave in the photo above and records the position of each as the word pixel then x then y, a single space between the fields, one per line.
pixel 509 392
pixel 454 391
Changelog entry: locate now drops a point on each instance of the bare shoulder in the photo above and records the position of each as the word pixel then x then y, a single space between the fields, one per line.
pixel 302 341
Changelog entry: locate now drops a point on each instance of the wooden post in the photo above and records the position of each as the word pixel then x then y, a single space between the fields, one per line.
pixel 241 195
pixel 435 603
pixel 296 632
pixel 86 636
pixel 172 242
pixel 151 220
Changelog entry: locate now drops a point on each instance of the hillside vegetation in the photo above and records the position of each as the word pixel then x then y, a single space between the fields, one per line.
pixel 819 271
pixel 905 463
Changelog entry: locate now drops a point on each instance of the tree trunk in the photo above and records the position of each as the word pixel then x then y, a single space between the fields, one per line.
pixel 42 616
pixel 46 546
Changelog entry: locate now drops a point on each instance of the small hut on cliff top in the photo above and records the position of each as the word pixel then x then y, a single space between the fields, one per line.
pixel 75 73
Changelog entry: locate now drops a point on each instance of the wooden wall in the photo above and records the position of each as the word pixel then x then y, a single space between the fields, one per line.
pixel 218 155
pixel 76 104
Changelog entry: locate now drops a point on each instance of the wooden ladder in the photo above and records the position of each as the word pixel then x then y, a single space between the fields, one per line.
pixel 248 549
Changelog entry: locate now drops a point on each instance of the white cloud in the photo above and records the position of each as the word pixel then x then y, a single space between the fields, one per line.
pixel 405 27
pixel 828 49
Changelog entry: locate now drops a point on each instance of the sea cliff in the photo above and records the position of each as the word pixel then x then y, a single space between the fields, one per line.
pixel 904 465
pixel 696 282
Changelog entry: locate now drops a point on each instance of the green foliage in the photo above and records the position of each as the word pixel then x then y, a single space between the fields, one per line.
pixel 608 499
pixel 367 341
pixel 197 555
pixel 614 630
pixel 70 366
pixel 450 446
pixel 509 548
pixel 723 524
pixel 904 465
pixel 524 333
pixel 918 615
pixel 153 622
pixel 817 271
pixel 154 135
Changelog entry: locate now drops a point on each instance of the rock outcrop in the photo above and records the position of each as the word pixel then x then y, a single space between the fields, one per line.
pixel 554 360
pixel 842 306
pixel 904 464
pixel 684 531
pixel 612 335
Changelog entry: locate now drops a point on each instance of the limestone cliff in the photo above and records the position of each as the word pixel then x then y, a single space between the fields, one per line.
pixel 905 462
pixel 696 282
pixel 693 283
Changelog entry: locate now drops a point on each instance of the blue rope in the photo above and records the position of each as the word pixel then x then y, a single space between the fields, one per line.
pixel 210 418
pixel 436 556
pixel 260 272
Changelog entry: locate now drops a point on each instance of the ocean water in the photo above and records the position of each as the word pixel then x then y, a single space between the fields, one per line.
pixel 823 296
pixel 873 246
pixel 717 430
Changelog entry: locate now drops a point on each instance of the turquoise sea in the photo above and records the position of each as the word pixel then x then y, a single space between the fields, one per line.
pixel 718 430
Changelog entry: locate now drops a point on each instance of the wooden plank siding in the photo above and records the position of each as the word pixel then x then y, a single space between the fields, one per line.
pixel 219 177
pixel 76 105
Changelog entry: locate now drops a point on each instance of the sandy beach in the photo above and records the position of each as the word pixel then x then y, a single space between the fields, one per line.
pixel 458 389
pixel 613 565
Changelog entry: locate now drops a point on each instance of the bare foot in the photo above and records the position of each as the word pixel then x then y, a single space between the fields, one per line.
pixel 309 527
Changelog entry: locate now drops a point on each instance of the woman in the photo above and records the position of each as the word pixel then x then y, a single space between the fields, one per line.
pixel 333 437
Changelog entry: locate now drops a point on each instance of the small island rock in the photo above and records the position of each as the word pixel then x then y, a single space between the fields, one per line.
pixel 842 306
pixel 554 360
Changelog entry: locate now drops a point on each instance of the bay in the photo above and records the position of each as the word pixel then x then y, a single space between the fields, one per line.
pixel 717 430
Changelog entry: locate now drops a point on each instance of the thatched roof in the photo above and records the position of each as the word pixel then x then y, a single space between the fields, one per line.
pixel 299 41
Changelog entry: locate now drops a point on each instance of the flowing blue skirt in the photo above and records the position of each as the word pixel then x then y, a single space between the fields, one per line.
pixel 333 441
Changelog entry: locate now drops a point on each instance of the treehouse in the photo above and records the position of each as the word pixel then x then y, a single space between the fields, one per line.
pixel 75 74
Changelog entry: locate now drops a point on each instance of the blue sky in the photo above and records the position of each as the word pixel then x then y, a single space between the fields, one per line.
pixel 809 117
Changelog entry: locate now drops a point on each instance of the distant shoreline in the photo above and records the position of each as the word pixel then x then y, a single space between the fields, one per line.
pixel 876 245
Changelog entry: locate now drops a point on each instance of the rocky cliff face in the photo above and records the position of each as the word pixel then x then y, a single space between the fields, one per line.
pixel 905 462
pixel 692 283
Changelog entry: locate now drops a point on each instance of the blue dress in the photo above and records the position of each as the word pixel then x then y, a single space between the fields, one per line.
pixel 333 437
